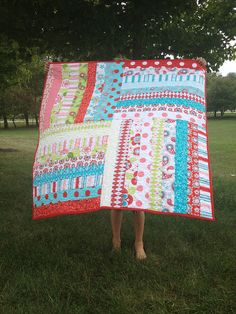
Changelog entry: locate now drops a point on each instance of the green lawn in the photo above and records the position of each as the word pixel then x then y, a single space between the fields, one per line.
pixel 65 265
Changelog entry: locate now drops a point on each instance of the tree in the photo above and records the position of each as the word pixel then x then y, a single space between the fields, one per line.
pixel 21 88
pixel 100 29
pixel 10 98
pixel 221 93
pixel 30 79
pixel 9 56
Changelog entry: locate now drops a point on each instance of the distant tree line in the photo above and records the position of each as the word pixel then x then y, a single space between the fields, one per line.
pixel 221 93
pixel 21 98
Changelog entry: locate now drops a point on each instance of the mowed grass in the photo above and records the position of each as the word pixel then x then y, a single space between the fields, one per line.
pixel 65 265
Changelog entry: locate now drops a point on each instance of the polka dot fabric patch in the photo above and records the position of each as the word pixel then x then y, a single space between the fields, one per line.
pixel 128 135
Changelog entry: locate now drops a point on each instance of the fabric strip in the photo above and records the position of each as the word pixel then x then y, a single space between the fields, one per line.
pixel 180 185
pixel 120 165
pixel 51 90
pixel 156 169
pixel 110 160
pixel 88 92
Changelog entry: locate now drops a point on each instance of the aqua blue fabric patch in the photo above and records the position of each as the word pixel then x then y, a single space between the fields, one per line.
pixel 190 89
pixel 157 101
pixel 67 173
pixel 181 178
pixel 94 192
pixel 104 109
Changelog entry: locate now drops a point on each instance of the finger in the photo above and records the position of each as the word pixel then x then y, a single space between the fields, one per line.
pixel 46 66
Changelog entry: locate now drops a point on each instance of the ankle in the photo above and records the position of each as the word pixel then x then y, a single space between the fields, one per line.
pixel 116 244
pixel 116 240
pixel 138 244
pixel 139 250
pixel 138 241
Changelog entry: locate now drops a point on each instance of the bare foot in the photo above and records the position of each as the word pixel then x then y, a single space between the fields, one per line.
pixel 140 253
pixel 116 245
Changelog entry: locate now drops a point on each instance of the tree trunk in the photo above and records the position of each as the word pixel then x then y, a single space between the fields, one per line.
pixel 5 120
pixel 26 115
pixel 35 114
pixel 13 121
pixel 36 119
pixel 222 113
pixel 214 114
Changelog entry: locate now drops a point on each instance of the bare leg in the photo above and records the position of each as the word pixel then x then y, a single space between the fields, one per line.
pixel 116 221
pixel 139 220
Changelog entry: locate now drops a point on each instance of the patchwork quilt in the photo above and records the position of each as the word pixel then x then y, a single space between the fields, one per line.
pixel 127 135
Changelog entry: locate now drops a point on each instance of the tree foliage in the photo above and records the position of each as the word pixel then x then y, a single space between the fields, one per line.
pixel 221 93
pixel 100 29
pixel 76 30
pixel 22 92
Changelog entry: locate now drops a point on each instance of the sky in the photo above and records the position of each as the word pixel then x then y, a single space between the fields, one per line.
pixel 228 66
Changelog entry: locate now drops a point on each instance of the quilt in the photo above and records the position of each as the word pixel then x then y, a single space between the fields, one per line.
pixel 126 135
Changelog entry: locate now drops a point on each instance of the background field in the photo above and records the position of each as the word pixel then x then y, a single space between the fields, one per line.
pixel 65 264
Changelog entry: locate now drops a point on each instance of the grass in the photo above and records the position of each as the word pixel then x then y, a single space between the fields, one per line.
pixel 65 265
